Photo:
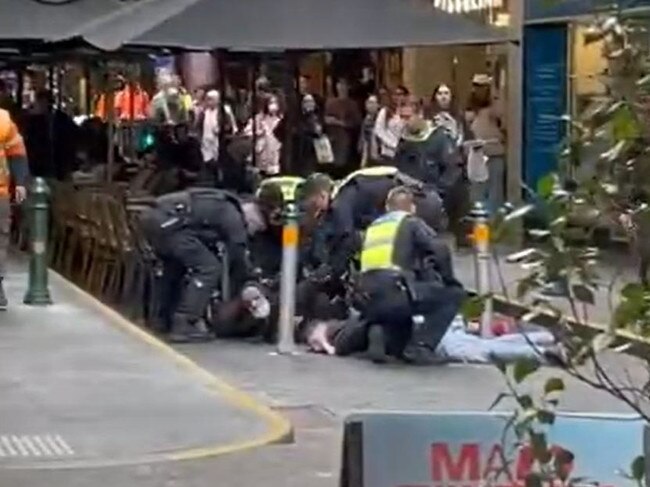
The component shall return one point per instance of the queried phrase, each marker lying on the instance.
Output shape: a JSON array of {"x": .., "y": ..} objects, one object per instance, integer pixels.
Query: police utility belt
[{"x": 194, "y": 208}]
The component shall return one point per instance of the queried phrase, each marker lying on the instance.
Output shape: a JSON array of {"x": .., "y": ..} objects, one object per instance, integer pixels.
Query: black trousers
[{"x": 388, "y": 303}]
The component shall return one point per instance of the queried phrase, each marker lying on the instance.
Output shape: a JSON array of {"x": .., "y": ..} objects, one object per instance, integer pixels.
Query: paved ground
[
  {"x": 78, "y": 389},
  {"x": 314, "y": 392}
]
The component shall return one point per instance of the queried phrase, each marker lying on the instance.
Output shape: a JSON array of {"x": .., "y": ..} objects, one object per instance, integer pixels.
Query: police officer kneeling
[
  {"x": 184, "y": 228},
  {"x": 407, "y": 291}
]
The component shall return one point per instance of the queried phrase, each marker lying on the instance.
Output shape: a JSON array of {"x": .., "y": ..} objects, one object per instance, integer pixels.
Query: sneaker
[
  {"x": 3, "y": 298},
  {"x": 376, "y": 344}
]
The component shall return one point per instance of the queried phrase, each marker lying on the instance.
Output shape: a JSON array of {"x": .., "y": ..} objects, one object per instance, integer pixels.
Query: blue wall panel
[{"x": 545, "y": 98}]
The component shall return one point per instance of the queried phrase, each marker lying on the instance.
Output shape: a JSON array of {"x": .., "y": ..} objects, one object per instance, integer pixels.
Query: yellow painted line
[{"x": 279, "y": 429}]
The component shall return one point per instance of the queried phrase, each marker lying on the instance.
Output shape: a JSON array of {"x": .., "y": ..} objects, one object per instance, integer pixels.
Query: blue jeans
[{"x": 492, "y": 191}]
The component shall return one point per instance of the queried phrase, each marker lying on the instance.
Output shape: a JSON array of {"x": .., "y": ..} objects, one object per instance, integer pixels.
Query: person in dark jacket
[
  {"x": 51, "y": 138},
  {"x": 427, "y": 152},
  {"x": 310, "y": 127},
  {"x": 407, "y": 292},
  {"x": 360, "y": 199}
]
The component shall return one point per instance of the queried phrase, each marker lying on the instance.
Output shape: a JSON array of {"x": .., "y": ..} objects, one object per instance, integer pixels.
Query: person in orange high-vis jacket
[{"x": 13, "y": 165}]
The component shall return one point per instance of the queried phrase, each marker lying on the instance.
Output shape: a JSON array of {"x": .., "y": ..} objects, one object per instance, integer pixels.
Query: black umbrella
[
  {"x": 284, "y": 24},
  {"x": 30, "y": 20}
]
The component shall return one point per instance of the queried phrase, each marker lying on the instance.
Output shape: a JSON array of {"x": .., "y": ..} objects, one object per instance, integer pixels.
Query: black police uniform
[
  {"x": 361, "y": 200},
  {"x": 407, "y": 271},
  {"x": 184, "y": 229}
]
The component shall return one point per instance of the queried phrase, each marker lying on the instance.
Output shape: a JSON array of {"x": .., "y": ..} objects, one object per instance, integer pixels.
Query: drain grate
[{"x": 28, "y": 446}]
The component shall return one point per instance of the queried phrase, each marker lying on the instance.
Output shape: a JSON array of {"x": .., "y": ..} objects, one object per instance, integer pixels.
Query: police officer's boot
[
  {"x": 185, "y": 331},
  {"x": 376, "y": 344},
  {"x": 418, "y": 351}
]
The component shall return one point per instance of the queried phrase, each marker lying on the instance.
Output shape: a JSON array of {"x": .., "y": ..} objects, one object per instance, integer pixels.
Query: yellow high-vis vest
[
  {"x": 366, "y": 171},
  {"x": 288, "y": 184},
  {"x": 379, "y": 242}
]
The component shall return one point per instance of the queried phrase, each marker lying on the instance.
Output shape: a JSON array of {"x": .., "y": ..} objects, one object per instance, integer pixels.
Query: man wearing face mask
[{"x": 185, "y": 229}]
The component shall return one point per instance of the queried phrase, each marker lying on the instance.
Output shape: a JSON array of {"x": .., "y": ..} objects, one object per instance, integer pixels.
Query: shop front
[{"x": 563, "y": 74}]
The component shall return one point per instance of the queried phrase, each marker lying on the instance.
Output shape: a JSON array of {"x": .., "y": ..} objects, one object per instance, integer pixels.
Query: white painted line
[
  {"x": 64, "y": 445},
  {"x": 27, "y": 442},
  {"x": 43, "y": 446},
  {"x": 6, "y": 443},
  {"x": 19, "y": 445},
  {"x": 53, "y": 445}
]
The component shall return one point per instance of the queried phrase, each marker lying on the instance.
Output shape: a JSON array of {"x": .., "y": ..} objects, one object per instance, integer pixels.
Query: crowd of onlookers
[{"x": 206, "y": 135}]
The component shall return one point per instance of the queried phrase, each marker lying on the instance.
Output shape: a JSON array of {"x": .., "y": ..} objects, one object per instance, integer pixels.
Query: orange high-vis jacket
[{"x": 11, "y": 145}]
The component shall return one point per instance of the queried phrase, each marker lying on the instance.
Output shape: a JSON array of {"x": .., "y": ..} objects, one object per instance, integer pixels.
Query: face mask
[{"x": 273, "y": 108}]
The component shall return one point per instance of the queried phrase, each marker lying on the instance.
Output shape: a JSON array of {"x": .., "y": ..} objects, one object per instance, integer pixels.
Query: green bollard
[{"x": 38, "y": 207}]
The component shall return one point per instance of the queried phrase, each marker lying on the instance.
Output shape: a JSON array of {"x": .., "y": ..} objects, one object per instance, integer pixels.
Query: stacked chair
[{"x": 95, "y": 242}]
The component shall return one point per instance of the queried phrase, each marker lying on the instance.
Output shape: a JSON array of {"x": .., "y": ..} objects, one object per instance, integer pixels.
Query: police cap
[
  {"x": 316, "y": 183},
  {"x": 270, "y": 196}
]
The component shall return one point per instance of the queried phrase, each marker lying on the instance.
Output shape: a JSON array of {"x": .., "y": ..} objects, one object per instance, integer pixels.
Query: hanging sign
[{"x": 466, "y": 6}]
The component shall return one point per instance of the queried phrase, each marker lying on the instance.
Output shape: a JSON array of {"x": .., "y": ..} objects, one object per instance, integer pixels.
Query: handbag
[{"x": 323, "y": 148}]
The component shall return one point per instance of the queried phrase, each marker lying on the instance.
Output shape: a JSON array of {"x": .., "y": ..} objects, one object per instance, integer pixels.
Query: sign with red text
[{"x": 466, "y": 449}]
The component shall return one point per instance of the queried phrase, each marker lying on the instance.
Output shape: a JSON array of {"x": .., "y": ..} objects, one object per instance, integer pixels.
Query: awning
[
  {"x": 28, "y": 20},
  {"x": 284, "y": 24}
]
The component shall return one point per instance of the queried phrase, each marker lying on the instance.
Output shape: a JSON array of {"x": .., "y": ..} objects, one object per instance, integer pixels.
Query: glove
[{"x": 322, "y": 274}]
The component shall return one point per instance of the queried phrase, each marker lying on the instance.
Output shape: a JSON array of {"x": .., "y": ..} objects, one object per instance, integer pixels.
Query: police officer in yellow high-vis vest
[
  {"x": 360, "y": 198},
  {"x": 409, "y": 294}
]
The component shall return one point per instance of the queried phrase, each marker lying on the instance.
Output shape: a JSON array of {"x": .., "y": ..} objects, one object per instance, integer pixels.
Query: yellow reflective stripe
[
  {"x": 379, "y": 242},
  {"x": 366, "y": 171},
  {"x": 288, "y": 185}
]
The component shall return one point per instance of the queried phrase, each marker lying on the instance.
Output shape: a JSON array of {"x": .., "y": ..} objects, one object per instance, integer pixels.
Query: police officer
[
  {"x": 289, "y": 185},
  {"x": 407, "y": 292},
  {"x": 360, "y": 198},
  {"x": 184, "y": 228}
]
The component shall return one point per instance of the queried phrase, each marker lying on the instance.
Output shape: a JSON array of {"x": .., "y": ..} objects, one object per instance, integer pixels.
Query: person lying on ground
[{"x": 348, "y": 337}]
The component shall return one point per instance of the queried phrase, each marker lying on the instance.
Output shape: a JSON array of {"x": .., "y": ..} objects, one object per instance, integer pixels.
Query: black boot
[
  {"x": 3, "y": 297},
  {"x": 421, "y": 354},
  {"x": 376, "y": 344},
  {"x": 185, "y": 331}
]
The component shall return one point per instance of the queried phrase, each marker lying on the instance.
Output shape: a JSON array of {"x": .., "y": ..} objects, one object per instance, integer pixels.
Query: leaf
[
  {"x": 473, "y": 307},
  {"x": 539, "y": 233},
  {"x": 633, "y": 292},
  {"x": 545, "y": 417},
  {"x": 583, "y": 294},
  {"x": 523, "y": 368},
  {"x": 546, "y": 185},
  {"x": 637, "y": 468},
  {"x": 522, "y": 255},
  {"x": 525, "y": 401},
  {"x": 554, "y": 384},
  {"x": 519, "y": 213}
]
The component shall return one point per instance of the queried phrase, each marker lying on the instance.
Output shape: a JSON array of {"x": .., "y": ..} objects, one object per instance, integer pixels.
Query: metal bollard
[
  {"x": 483, "y": 262},
  {"x": 38, "y": 207},
  {"x": 286, "y": 343}
]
